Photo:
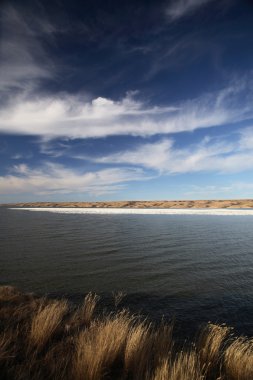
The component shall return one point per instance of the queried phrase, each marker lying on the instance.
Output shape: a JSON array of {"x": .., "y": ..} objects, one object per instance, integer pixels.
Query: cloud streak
[
  {"x": 23, "y": 61},
  {"x": 181, "y": 8},
  {"x": 53, "y": 179},
  {"x": 207, "y": 156},
  {"x": 70, "y": 116}
]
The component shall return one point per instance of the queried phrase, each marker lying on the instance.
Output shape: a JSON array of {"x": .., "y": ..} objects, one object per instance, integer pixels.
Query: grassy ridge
[
  {"x": 42, "y": 338},
  {"x": 230, "y": 203}
]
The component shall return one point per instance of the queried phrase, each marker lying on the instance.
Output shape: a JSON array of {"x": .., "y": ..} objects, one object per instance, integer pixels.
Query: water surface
[{"x": 194, "y": 267}]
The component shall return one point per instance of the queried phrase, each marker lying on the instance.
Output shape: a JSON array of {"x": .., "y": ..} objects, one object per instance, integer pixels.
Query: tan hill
[{"x": 232, "y": 203}]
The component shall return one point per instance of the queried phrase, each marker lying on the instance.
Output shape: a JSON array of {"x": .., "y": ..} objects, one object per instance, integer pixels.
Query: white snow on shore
[{"x": 138, "y": 211}]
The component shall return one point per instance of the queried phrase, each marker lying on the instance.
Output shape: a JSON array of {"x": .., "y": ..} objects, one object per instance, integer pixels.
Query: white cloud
[
  {"x": 152, "y": 156},
  {"x": 24, "y": 63},
  {"x": 180, "y": 8},
  {"x": 19, "y": 156},
  {"x": 70, "y": 116},
  {"x": 57, "y": 179},
  {"x": 246, "y": 138},
  {"x": 23, "y": 60},
  {"x": 220, "y": 156}
]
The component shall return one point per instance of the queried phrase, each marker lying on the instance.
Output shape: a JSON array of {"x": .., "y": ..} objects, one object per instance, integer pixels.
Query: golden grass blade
[
  {"x": 46, "y": 321},
  {"x": 238, "y": 359},
  {"x": 100, "y": 347},
  {"x": 211, "y": 348},
  {"x": 186, "y": 366},
  {"x": 38, "y": 342}
]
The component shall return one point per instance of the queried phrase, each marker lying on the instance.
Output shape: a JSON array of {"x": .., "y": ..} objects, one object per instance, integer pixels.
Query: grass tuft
[
  {"x": 238, "y": 361},
  {"x": 46, "y": 321},
  {"x": 50, "y": 339}
]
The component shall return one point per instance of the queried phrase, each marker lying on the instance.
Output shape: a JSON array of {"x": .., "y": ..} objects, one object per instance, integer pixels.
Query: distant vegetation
[
  {"x": 230, "y": 203},
  {"x": 42, "y": 338}
]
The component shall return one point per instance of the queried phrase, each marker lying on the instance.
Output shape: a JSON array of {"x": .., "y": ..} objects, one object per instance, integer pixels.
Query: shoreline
[
  {"x": 139, "y": 211},
  {"x": 138, "y": 204}
]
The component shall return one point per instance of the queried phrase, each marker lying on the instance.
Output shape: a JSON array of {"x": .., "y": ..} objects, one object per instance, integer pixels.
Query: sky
[{"x": 129, "y": 100}]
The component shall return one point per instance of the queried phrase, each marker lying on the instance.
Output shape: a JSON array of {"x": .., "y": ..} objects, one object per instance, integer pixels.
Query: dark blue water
[{"x": 191, "y": 267}]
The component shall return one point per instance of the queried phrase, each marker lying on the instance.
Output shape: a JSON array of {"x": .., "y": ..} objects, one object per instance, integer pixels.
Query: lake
[{"x": 190, "y": 266}]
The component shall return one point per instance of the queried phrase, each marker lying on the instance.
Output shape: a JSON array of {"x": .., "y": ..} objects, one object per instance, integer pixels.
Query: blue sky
[{"x": 108, "y": 100}]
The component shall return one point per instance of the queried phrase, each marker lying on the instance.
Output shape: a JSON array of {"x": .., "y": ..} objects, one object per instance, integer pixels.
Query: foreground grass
[{"x": 48, "y": 339}]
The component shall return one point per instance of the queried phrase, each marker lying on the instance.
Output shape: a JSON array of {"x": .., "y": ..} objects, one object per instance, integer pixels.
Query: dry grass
[
  {"x": 46, "y": 321},
  {"x": 42, "y": 339},
  {"x": 101, "y": 347},
  {"x": 137, "y": 351},
  {"x": 239, "y": 351},
  {"x": 88, "y": 308},
  {"x": 118, "y": 297},
  {"x": 211, "y": 348},
  {"x": 162, "y": 372},
  {"x": 186, "y": 366}
]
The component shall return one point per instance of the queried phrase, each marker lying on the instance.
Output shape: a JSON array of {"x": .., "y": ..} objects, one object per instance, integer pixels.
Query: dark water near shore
[{"x": 195, "y": 268}]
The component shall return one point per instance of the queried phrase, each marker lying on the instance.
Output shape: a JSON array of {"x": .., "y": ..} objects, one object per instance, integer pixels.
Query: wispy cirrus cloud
[
  {"x": 180, "y": 8},
  {"x": 51, "y": 179},
  {"x": 24, "y": 60},
  {"x": 209, "y": 155},
  {"x": 72, "y": 117},
  {"x": 19, "y": 156}
]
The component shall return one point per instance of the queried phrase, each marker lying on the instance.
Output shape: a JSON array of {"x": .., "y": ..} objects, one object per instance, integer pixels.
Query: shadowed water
[{"x": 194, "y": 267}]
